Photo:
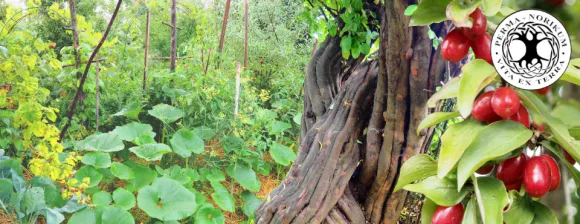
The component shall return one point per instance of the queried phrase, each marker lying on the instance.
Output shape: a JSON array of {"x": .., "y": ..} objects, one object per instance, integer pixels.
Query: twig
[
  {"x": 86, "y": 72},
  {"x": 169, "y": 58},
  {"x": 169, "y": 25},
  {"x": 96, "y": 60}
]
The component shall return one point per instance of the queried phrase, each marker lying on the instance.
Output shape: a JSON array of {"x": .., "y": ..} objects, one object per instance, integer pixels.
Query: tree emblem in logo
[{"x": 530, "y": 49}]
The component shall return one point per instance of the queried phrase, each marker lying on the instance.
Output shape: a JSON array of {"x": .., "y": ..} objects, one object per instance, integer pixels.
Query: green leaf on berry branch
[
  {"x": 520, "y": 211},
  {"x": 449, "y": 90},
  {"x": 427, "y": 210},
  {"x": 491, "y": 197},
  {"x": 459, "y": 10},
  {"x": 435, "y": 118},
  {"x": 493, "y": 141},
  {"x": 543, "y": 214},
  {"x": 471, "y": 215},
  {"x": 572, "y": 73},
  {"x": 476, "y": 75},
  {"x": 429, "y": 11},
  {"x": 441, "y": 191},
  {"x": 454, "y": 142},
  {"x": 491, "y": 7},
  {"x": 416, "y": 168}
]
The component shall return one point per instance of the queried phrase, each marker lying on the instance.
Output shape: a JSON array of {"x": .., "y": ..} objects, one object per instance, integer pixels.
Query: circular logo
[{"x": 530, "y": 49}]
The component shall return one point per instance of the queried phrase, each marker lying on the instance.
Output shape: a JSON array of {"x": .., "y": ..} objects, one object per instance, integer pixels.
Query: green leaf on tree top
[
  {"x": 410, "y": 10},
  {"x": 572, "y": 73},
  {"x": 102, "y": 198},
  {"x": 568, "y": 114},
  {"x": 434, "y": 119},
  {"x": 209, "y": 215},
  {"x": 416, "y": 168},
  {"x": 106, "y": 142},
  {"x": 492, "y": 141},
  {"x": 555, "y": 126},
  {"x": 428, "y": 12},
  {"x": 543, "y": 214},
  {"x": 117, "y": 215},
  {"x": 97, "y": 159},
  {"x": 346, "y": 43},
  {"x": 121, "y": 171},
  {"x": 167, "y": 200},
  {"x": 454, "y": 141},
  {"x": 124, "y": 198},
  {"x": 427, "y": 211},
  {"x": 185, "y": 142},
  {"x": 282, "y": 154},
  {"x": 151, "y": 152},
  {"x": 471, "y": 214},
  {"x": 476, "y": 75},
  {"x": 131, "y": 131},
  {"x": 130, "y": 110},
  {"x": 90, "y": 172},
  {"x": 166, "y": 113},
  {"x": 441, "y": 191},
  {"x": 251, "y": 203},
  {"x": 245, "y": 176},
  {"x": 490, "y": 7},
  {"x": 491, "y": 197},
  {"x": 459, "y": 11},
  {"x": 521, "y": 210},
  {"x": 223, "y": 198}
]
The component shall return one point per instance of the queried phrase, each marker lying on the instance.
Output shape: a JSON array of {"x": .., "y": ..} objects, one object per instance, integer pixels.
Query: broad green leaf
[
  {"x": 345, "y": 43},
  {"x": 151, "y": 152},
  {"x": 245, "y": 176},
  {"x": 214, "y": 175},
  {"x": 459, "y": 11},
  {"x": 490, "y": 142},
  {"x": 84, "y": 216},
  {"x": 282, "y": 154},
  {"x": 124, "y": 198},
  {"x": 558, "y": 129},
  {"x": 427, "y": 211},
  {"x": 251, "y": 203},
  {"x": 52, "y": 216},
  {"x": 121, "y": 171},
  {"x": 490, "y": 7},
  {"x": 521, "y": 210},
  {"x": 298, "y": 118},
  {"x": 144, "y": 176},
  {"x": 32, "y": 201},
  {"x": 476, "y": 75},
  {"x": 410, "y": 10},
  {"x": 454, "y": 141},
  {"x": 223, "y": 198},
  {"x": 97, "y": 159},
  {"x": 102, "y": 198},
  {"x": 428, "y": 12},
  {"x": 131, "y": 131},
  {"x": 117, "y": 215},
  {"x": 575, "y": 132},
  {"x": 441, "y": 191},
  {"x": 209, "y": 215},
  {"x": 166, "y": 113},
  {"x": 543, "y": 214},
  {"x": 204, "y": 132},
  {"x": 572, "y": 73},
  {"x": 106, "y": 142},
  {"x": 90, "y": 172},
  {"x": 6, "y": 190},
  {"x": 449, "y": 90},
  {"x": 4, "y": 51},
  {"x": 278, "y": 127},
  {"x": 416, "y": 168},
  {"x": 167, "y": 200},
  {"x": 471, "y": 215},
  {"x": 232, "y": 143},
  {"x": 568, "y": 114},
  {"x": 178, "y": 174},
  {"x": 185, "y": 142},
  {"x": 131, "y": 110},
  {"x": 434, "y": 119},
  {"x": 491, "y": 197}
]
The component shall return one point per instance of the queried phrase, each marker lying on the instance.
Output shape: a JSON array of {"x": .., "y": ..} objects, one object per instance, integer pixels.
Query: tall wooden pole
[
  {"x": 75, "y": 32},
  {"x": 238, "y": 83},
  {"x": 146, "y": 51},
  {"x": 246, "y": 34},
  {"x": 173, "y": 36},
  {"x": 224, "y": 26},
  {"x": 97, "y": 74}
]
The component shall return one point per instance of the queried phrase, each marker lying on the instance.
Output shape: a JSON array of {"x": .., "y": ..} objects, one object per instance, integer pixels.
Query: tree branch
[{"x": 84, "y": 76}]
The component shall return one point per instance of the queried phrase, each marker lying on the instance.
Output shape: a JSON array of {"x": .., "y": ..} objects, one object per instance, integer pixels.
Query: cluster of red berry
[{"x": 456, "y": 44}]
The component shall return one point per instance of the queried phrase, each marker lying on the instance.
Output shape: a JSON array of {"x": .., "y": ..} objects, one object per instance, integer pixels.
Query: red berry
[
  {"x": 484, "y": 170},
  {"x": 537, "y": 178},
  {"x": 510, "y": 171},
  {"x": 569, "y": 158},
  {"x": 482, "y": 47},
  {"x": 521, "y": 116},
  {"x": 478, "y": 27},
  {"x": 505, "y": 102},
  {"x": 448, "y": 215},
  {"x": 455, "y": 46},
  {"x": 482, "y": 110},
  {"x": 543, "y": 91},
  {"x": 515, "y": 186},
  {"x": 554, "y": 171}
]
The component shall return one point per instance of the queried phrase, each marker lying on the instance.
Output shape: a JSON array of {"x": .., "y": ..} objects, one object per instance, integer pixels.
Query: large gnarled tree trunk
[{"x": 359, "y": 125}]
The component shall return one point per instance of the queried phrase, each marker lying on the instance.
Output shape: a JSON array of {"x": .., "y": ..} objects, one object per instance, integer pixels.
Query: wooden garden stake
[{"x": 238, "y": 83}]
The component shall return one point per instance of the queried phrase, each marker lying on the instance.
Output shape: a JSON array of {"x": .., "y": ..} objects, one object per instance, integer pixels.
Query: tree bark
[
  {"x": 146, "y": 59},
  {"x": 173, "y": 50},
  {"x": 245, "y": 34},
  {"x": 359, "y": 125}
]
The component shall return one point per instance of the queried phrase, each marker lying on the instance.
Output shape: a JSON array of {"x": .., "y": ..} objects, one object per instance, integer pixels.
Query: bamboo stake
[
  {"x": 173, "y": 36},
  {"x": 238, "y": 83}
]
